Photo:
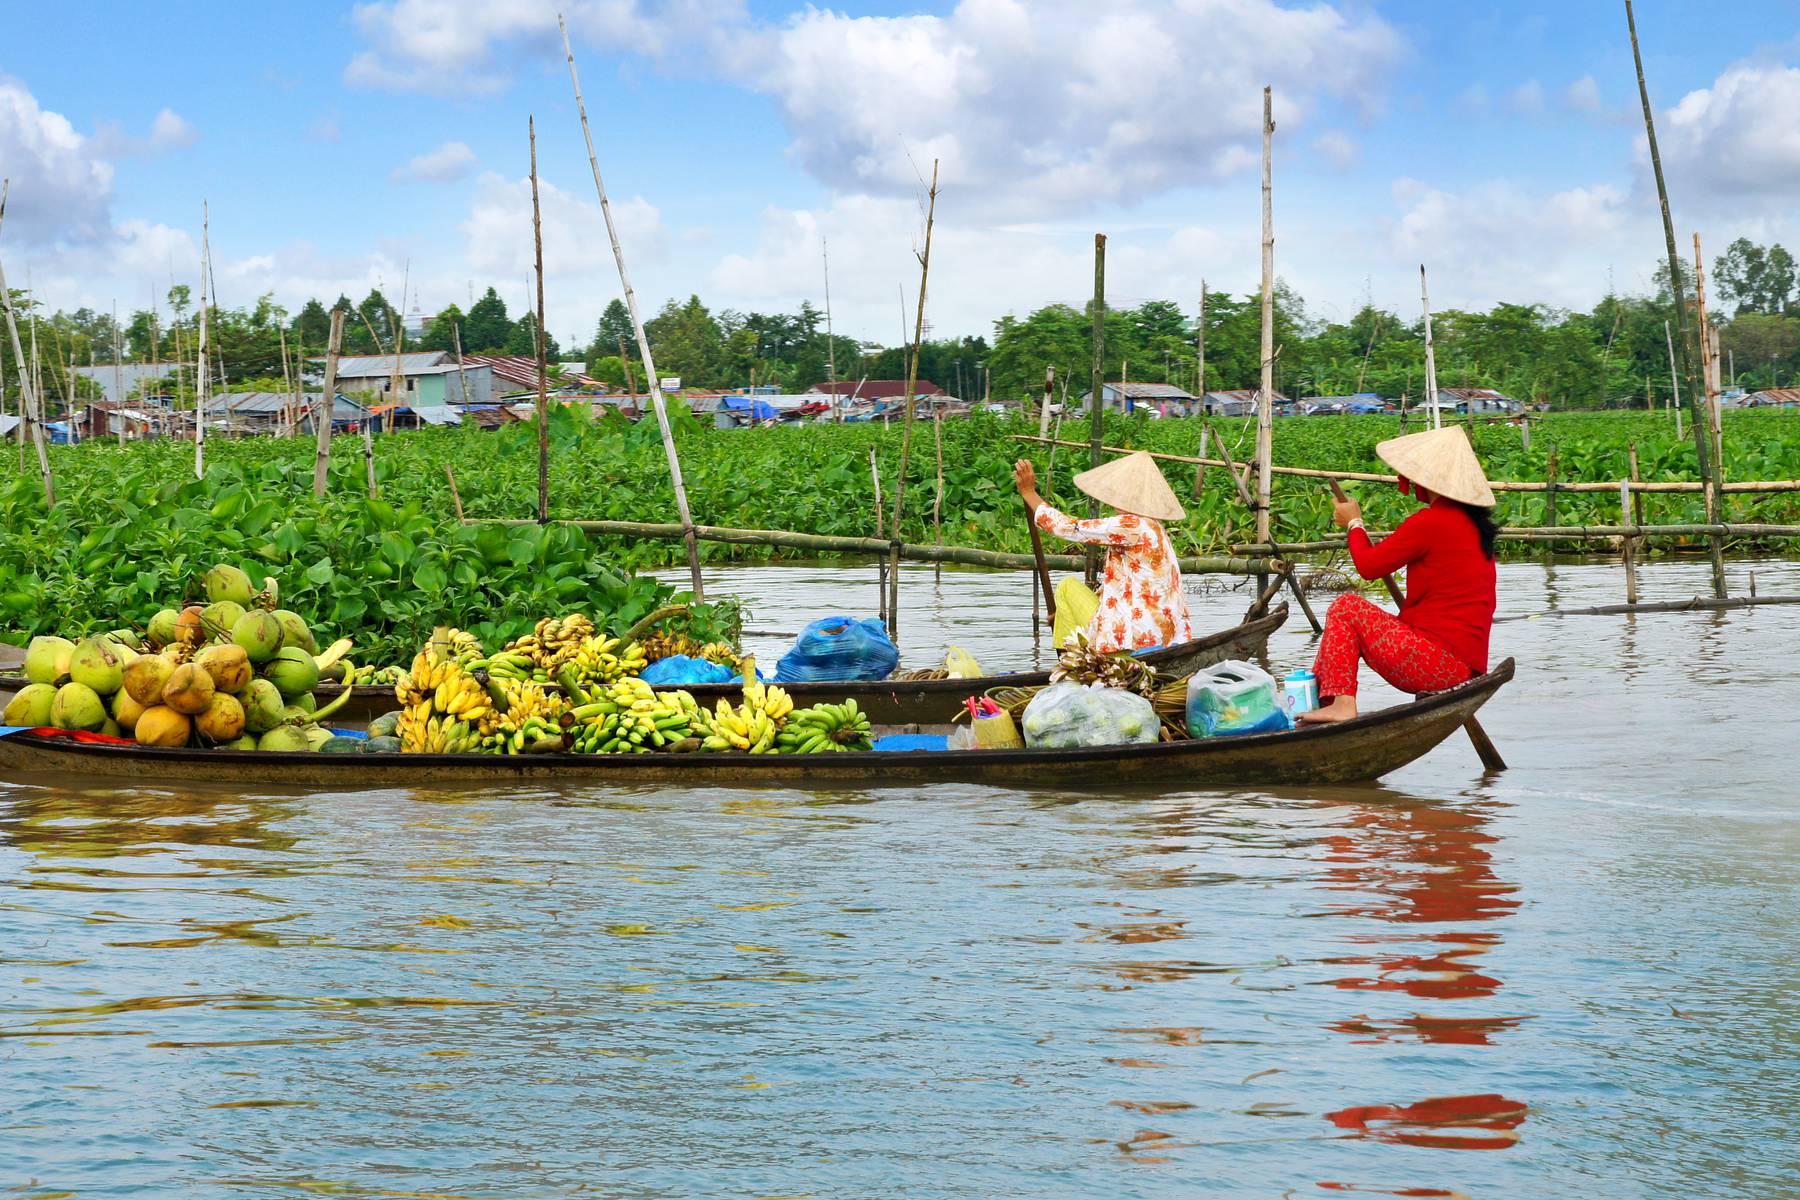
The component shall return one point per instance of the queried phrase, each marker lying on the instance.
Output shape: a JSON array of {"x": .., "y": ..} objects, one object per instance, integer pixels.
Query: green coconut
[
  {"x": 47, "y": 658},
  {"x": 127, "y": 638},
  {"x": 126, "y": 710},
  {"x": 164, "y": 628},
  {"x": 260, "y": 634},
  {"x": 219, "y": 618},
  {"x": 262, "y": 706},
  {"x": 295, "y": 631},
  {"x": 111, "y": 728},
  {"x": 285, "y": 738},
  {"x": 247, "y": 742},
  {"x": 293, "y": 671},
  {"x": 97, "y": 663},
  {"x": 225, "y": 582},
  {"x": 317, "y": 736},
  {"x": 31, "y": 706},
  {"x": 77, "y": 706}
]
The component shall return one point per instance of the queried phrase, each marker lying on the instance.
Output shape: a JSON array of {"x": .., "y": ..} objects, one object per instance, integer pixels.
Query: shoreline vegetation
[{"x": 131, "y": 521}]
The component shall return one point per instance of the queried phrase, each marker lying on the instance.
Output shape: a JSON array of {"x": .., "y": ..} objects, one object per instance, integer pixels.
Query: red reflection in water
[
  {"x": 1486, "y": 1122},
  {"x": 1457, "y": 1031},
  {"x": 1422, "y": 864},
  {"x": 1435, "y": 1193}
]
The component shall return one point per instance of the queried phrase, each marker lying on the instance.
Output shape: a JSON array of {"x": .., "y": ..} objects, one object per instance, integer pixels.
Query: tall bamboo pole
[
  {"x": 1265, "y": 400},
  {"x": 637, "y": 325},
  {"x": 1431, "y": 387},
  {"x": 30, "y": 402},
  {"x": 118, "y": 374},
  {"x": 1049, "y": 393},
  {"x": 1674, "y": 381},
  {"x": 543, "y": 374},
  {"x": 1709, "y": 364},
  {"x": 321, "y": 413},
  {"x": 1096, "y": 389},
  {"x": 1695, "y": 398},
  {"x": 912, "y": 388},
  {"x": 202, "y": 383},
  {"x": 287, "y": 383},
  {"x": 462, "y": 376}
]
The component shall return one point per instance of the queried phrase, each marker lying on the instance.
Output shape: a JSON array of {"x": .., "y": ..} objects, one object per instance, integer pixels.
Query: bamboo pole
[
  {"x": 912, "y": 387},
  {"x": 1553, "y": 533},
  {"x": 1674, "y": 381},
  {"x": 1200, "y": 388},
  {"x": 119, "y": 374},
  {"x": 880, "y": 547},
  {"x": 455, "y": 496},
  {"x": 1265, "y": 397},
  {"x": 201, "y": 381},
  {"x": 1499, "y": 485},
  {"x": 1628, "y": 546},
  {"x": 322, "y": 411},
  {"x": 287, "y": 383},
  {"x": 1697, "y": 604},
  {"x": 1550, "y": 466},
  {"x": 30, "y": 399},
  {"x": 1096, "y": 393},
  {"x": 543, "y": 367},
  {"x": 630, "y": 375},
  {"x": 1431, "y": 386},
  {"x": 637, "y": 325},
  {"x": 1709, "y": 374},
  {"x": 1686, "y": 356},
  {"x": 1049, "y": 391},
  {"x": 937, "y": 502},
  {"x": 881, "y": 563}
]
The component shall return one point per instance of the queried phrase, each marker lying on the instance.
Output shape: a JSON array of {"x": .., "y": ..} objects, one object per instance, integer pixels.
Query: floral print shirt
[{"x": 1140, "y": 591}]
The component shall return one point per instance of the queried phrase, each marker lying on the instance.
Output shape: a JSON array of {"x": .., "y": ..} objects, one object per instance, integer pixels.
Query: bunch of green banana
[
  {"x": 629, "y": 717},
  {"x": 458, "y": 645},
  {"x": 511, "y": 664},
  {"x": 381, "y": 676},
  {"x": 824, "y": 727}
]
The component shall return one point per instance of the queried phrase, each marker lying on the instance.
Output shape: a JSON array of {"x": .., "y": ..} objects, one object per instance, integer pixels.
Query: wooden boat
[
  {"x": 887, "y": 701},
  {"x": 1364, "y": 749}
]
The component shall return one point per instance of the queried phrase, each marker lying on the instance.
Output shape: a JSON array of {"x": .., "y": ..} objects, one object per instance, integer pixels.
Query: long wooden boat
[
  {"x": 1364, "y": 749},
  {"x": 887, "y": 701}
]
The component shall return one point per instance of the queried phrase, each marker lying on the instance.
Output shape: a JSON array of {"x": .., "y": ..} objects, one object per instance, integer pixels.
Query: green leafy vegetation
[{"x": 133, "y": 528}]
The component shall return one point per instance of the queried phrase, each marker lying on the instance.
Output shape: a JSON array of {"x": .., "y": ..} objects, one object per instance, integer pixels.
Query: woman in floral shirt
[{"x": 1141, "y": 604}]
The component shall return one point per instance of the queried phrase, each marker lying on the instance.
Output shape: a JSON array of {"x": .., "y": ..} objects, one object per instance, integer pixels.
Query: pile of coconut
[{"x": 236, "y": 673}]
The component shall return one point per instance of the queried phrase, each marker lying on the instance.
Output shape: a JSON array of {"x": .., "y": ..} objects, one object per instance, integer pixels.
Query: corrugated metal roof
[
  {"x": 365, "y": 366},
  {"x": 1774, "y": 396},
  {"x": 521, "y": 370},
  {"x": 438, "y": 415},
  {"x": 875, "y": 389}
]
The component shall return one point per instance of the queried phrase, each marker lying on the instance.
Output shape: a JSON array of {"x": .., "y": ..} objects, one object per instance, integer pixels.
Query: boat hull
[{"x": 1365, "y": 749}]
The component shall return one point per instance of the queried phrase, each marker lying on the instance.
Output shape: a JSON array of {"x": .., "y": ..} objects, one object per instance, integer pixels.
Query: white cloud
[
  {"x": 1582, "y": 96},
  {"x": 498, "y": 232},
  {"x": 1527, "y": 99},
  {"x": 446, "y": 164},
  {"x": 1337, "y": 148},
  {"x": 461, "y": 47},
  {"x": 1499, "y": 240},
  {"x": 61, "y": 182},
  {"x": 1063, "y": 105},
  {"x": 1737, "y": 140},
  {"x": 168, "y": 131}
]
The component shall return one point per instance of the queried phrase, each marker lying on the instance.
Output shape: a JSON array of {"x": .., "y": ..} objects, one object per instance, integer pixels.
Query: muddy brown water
[{"x": 1576, "y": 978}]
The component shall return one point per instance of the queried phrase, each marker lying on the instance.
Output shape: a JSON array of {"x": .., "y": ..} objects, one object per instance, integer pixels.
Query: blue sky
[{"x": 1497, "y": 143}]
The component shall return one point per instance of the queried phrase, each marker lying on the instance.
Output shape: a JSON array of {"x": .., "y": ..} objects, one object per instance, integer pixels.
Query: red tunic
[{"x": 1450, "y": 583}]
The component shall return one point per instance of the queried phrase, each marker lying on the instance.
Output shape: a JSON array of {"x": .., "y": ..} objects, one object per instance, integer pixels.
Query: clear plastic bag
[
  {"x": 1071, "y": 714},
  {"x": 1233, "y": 697}
]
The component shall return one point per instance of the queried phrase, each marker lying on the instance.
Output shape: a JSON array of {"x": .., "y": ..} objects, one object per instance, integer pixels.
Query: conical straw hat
[
  {"x": 1133, "y": 484},
  {"x": 1442, "y": 461}
]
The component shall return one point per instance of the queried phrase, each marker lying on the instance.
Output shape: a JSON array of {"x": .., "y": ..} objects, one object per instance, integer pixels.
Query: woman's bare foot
[{"x": 1340, "y": 708}]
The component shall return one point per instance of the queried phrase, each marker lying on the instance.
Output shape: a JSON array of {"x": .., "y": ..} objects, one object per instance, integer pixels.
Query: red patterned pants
[{"x": 1357, "y": 630}]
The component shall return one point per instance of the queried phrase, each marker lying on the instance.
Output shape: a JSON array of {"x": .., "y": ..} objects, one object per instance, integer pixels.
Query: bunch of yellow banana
[
  {"x": 723, "y": 653},
  {"x": 628, "y": 716},
  {"x": 554, "y": 641},
  {"x": 663, "y": 644},
  {"x": 421, "y": 680},
  {"x": 824, "y": 727},
  {"x": 458, "y": 645},
  {"x": 773, "y": 700},
  {"x": 438, "y": 734}
]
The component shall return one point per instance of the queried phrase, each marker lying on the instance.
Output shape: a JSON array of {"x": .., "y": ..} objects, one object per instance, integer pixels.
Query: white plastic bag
[
  {"x": 1233, "y": 697},
  {"x": 1071, "y": 714}
]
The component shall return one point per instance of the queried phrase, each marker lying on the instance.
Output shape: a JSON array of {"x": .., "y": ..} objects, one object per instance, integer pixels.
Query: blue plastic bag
[
  {"x": 679, "y": 670},
  {"x": 839, "y": 648}
]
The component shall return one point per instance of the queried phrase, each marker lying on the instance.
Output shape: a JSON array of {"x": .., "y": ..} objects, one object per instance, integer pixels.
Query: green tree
[
  {"x": 313, "y": 326},
  {"x": 687, "y": 341},
  {"x": 441, "y": 331},
  {"x": 488, "y": 329}
]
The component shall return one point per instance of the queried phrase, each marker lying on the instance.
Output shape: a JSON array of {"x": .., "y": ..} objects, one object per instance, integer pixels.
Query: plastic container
[
  {"x": 1299, "y": 693},
  {"x": 998, "y": 732},
  {"x": 1233, "y": 697}
]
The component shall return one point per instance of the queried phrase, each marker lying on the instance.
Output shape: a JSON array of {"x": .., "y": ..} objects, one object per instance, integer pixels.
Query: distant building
[
  {"x": 428, "y": 377},
  {"x": 517, "y": 373},
  {"x": 875, "y": 389},
  {"x": 1475, "y": 400},
  {"x": 1163, "y": 398},
  {"x": 117, "y": 384},
  {"x": 1773, "y": 398},
  {"x": 1241, "y": 402},
  {"x": 269, "y": 412}
]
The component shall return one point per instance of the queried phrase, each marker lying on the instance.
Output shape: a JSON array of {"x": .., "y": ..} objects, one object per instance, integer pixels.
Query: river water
[{"x": 1572, "y": 979}]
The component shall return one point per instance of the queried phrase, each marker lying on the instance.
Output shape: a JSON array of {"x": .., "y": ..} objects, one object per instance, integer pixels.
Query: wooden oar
[
  {"x": 1484, "y": 745},
  {"x": 1043, "y": 567}
]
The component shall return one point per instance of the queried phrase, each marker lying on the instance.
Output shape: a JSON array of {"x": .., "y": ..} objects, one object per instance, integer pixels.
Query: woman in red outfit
[{"x": 1440, "y": 637}]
